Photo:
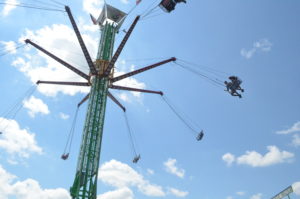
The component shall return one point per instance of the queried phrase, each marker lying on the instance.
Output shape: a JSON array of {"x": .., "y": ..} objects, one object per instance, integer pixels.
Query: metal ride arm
[
  {"x": 116, "y": 101},
  {"x": 120, "y": 48},
  {"x": 72, "y": 68},
  {"x": 83, "y": 100},
  {"x": 142, "y": 70},
  {"x": 64, "y": 83},
  {"x": 135, "y": 89},
  {"x": 81, "y": 42}
]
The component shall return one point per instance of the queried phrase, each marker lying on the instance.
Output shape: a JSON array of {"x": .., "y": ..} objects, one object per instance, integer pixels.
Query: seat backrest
[{"x": 167, "y": 3}]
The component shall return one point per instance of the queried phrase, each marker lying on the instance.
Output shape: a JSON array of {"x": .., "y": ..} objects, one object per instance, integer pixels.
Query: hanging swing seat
[
  {"x": 136, "y": 159},
  {"x": 65, "y": 156},
  {"x": 169, "y": 5},
  {"x": 200, "y": 136}
]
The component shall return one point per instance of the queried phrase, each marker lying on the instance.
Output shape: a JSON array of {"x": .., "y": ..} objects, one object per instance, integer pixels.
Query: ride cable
[
  {"x": 13, "y": 110},
  {"x": 213, "y": 76},
  {"x": 151, "y": 12},
  {"x": 130, "y": 11},
  {"x": 165, "y": 5},
  {"x": 152, "y": 16},
  {"x": 145, "y": 59},
  {"x": 213, "y": 81},
  {"x": 130, "y": 135},
  {"x": 149, "y": 9},
  {"x": 187, "y": 121},
  {"x": 53, "y": 4},
  {"x": 230, "y": 87},
  {"x": 134, "y": 7},
  {"x": 57, "y": 2},
  {"x": 205, "y": 68},
  {"x": 69, "y": 142},
  {"x": 6, "y": 51},
  {"x": 31, "y": 6}
]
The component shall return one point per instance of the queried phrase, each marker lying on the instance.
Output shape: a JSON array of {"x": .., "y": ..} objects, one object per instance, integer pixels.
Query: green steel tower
[
  {"x": 85, "y": 183},
  {"x": 100, "y": 79}
]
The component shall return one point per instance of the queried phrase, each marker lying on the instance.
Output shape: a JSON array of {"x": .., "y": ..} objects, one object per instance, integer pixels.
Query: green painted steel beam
[{"x": 85, "y": 182}]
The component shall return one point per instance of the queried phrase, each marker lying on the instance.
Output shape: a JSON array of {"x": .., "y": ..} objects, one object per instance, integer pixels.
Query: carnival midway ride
[{"x": 101, "y": 79}]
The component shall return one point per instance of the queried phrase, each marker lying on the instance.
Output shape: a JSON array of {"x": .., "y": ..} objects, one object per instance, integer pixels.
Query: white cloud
[
  {"x": 296, "y": 140},
  {"x": 150, "y": 171},
  {"x": 274, "y": 156},
  {"x": 27, "y": 189},
  {"x": 6, "y": 180},
  {"x": 64, "y": 116},
  {"x": 263, "y": 45},
  {"x": 17, "y": 141},
  {"x": 87, "y": 26},
  {"x": 248, "y": 53},
  {"x": 93, "y": 7},
  {"x": 120, "y": 175},
  {"x": 60, "y": 40},
  {"x": 151, "y": 189},
  {"x": 296, "y": 188},
  {"x": 173, "y": 169},
  {"x": 292, "y": 129},
  {"x": 128, "y": 96},
  {"x": 10, "y": 5},
  {"x": 178, "y": 193},
  {"x": 240, "y": 193},
  {"x": 228, "y": 158},
  {"x": 129, "y": 82},
  {"x": 255, "y": 159},
  {"x": 35, "y": 106},
  {"x": 125, "y": 1},
  {"x": 122, "y": 193},
  {"x": 256, "y": 196},
  {"x": 9, "y": 46},
  {"x": 132, "y": 67},
  {"x": 124, "y": 97}
]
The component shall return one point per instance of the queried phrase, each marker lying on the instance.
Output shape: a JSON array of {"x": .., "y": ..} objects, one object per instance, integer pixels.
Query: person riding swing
[{"x": 233, "y": 86}]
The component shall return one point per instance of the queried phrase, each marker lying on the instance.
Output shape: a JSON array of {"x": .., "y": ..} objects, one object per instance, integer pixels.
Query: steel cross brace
[
  {"x": 120, "y": 48},
  {"x": 83, "y": 100},
  {"x": 116, "y": 101},
  {"x": 81, "y": 42},
  {"x": 64, "y": 83},
  {"x": 135, "y": 89},
  {"x": 115, "y": 79}
]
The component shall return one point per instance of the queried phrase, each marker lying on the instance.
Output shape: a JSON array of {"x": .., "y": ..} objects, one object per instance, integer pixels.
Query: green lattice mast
[
  {"x": 100, "y": 79},
  {"x": 85, "y": 183}
]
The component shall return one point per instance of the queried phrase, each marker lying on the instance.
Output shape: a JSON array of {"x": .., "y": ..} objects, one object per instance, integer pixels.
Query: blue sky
[{"x": 251, "y": 145}]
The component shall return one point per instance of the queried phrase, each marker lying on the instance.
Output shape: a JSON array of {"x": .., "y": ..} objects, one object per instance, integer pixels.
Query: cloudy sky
[{"x": 251, "y": 145}]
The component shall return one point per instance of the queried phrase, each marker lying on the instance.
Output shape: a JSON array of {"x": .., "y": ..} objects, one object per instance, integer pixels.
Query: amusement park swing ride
[{"x": 101, "y": 79}]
